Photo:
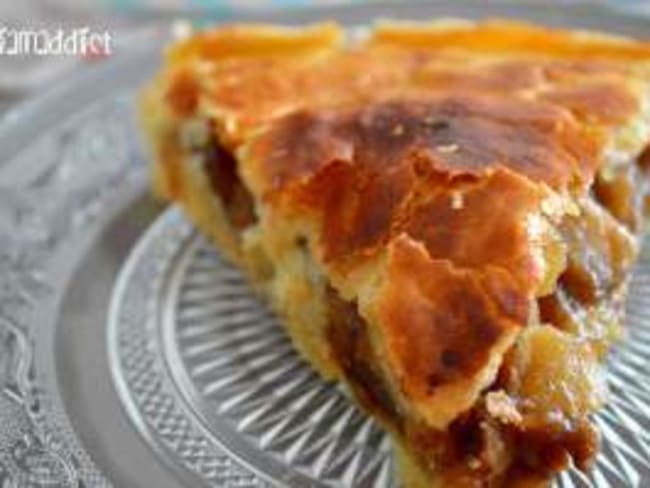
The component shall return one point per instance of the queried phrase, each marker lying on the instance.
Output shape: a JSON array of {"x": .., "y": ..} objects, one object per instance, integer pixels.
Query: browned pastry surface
[{"x": 445, "y": 215}]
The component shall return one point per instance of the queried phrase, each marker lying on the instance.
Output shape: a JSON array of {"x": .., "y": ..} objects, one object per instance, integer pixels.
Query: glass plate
[{"x": 132, "y": 355}]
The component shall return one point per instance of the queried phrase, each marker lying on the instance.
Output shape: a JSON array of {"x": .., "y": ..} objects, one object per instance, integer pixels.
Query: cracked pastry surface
[{"x": 445, "y": 215}]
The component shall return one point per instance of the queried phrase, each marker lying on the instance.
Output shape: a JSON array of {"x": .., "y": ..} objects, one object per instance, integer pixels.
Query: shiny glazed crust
[{"x": 415, "y": 205}]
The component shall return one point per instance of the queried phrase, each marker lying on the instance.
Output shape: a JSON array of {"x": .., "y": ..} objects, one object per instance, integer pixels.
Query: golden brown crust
[
  {"x": 508, "y": 36},
  {"x": 445, "y": 180},
  {"x": 249, "y": 90},
  {"x": 420, "y": 200},
  {"x": 440, "y": 326},
  {"x": 236, "y": 41},
  {"x": 457, "y": 134}
]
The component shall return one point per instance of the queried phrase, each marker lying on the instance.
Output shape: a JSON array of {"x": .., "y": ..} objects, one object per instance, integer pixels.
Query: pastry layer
[{"x": 444, "y": 214}]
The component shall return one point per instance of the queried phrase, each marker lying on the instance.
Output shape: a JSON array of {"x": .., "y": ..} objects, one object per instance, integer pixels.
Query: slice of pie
[{"x": 444, "y": 214}]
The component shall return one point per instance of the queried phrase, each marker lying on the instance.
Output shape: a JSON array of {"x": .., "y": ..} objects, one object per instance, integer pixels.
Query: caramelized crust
[
  {"x": 504, "y": 36},
  {"x": 456, "y": 135},
  {"x": 441, "y": 328},
  {"x": 461, "y": 199},
  {"x": 255, "y": 41},
  {"x": 248, "y": 90},
  {"x": 444, "y": 214}
]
